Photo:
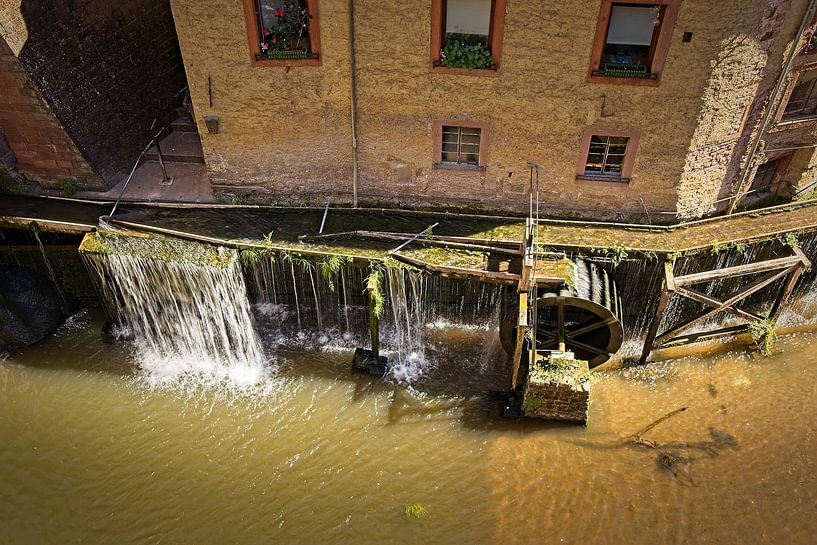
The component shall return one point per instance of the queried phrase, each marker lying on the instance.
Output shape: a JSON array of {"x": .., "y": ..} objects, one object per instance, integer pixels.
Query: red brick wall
[{"x": 44, "y": 151}]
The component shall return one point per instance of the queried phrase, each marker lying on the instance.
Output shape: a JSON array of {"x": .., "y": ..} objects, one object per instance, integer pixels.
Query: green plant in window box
[
  {"x": 288, "y": 36},
  {"x": 458, "y": 54},
  {"x": 625, "y": 70}
]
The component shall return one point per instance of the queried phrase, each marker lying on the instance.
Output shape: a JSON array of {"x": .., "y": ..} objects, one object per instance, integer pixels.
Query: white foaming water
[
  {"x": 406, "y": 296},
  {"x": 191, "y": 321}
]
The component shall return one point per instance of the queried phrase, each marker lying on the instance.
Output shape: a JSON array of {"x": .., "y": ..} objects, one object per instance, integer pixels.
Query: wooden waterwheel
[{"x": 583, "y": 318}]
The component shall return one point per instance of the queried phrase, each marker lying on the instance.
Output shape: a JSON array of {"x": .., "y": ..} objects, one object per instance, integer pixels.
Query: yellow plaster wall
[{"x": 288, "y": 131}]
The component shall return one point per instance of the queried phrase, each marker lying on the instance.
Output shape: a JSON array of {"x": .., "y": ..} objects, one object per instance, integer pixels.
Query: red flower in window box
[{"x": 279, "y": 13}]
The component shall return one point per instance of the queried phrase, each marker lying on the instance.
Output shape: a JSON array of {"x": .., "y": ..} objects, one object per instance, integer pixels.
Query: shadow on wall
[{"x": 106, "y": 69}]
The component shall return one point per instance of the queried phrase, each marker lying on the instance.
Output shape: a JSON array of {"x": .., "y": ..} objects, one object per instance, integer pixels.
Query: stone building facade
[
  {"x": 82, "y": 82},
  {"x": 285, "y": 126}
]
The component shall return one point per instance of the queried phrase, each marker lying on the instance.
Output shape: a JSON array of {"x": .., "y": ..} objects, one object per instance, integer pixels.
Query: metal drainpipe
[
  {"x": 773, "y": 98},
  {"x": 353, "y": 98}
]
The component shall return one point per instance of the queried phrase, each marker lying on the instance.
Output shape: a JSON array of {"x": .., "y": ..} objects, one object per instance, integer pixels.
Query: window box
[
  {"x": 632, "y": 41},
  {"x": 286, "y": 55},
  {"x": 625, "y": 70},
  {"x": 607, "y": 155},
  {"x": 466, "y": 35},
  {"x": 283, "y": 32}
]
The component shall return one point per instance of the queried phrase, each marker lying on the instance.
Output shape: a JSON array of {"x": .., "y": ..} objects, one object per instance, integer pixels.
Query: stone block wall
[
  {"x": 106, "y": 70},
  {"x": 553, "y": 393},
  {"x": 43, "y": 150}
]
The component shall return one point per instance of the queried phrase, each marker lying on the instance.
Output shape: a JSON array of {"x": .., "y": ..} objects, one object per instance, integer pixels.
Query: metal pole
[
  {"x": 165, "y": 179},
  {"x": 353, "y": 99},
  {"x": 124, "y": 187},
  {"x": 325, "y": 212},
  {"x": 415, "y": 237}
]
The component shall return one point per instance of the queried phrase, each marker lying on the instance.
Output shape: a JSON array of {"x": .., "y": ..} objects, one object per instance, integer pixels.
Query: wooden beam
[
  {"x": 788, "y": 287},
  {"x": 803, "y": 258},
  {"x": 521, "y": 323},
  {"x": 444, "y": 242},
  {"x": 591, "y": 327},
  {"x": 659, "y": 313},
  {"x": 488, "y": 276},
  {"x": 709, "y": 301},
  {"x": 669, "y": 276},
  {"x": 374, "y": 329},
  {"x": 706, "y": 335},
  {"x": 526, "y": 277},
  {"x": 560, "y": 324},
  {"x": 739, "y": 270}
]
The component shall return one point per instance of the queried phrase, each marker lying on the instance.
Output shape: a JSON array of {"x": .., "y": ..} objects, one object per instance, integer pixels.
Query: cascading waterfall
[
  {"x": 295, "y": 301},
  {"x": 803, "y": 307},
  {"x": 300, "y": 303},
  {"x": 406, "y": 298},
  {"x": 187, "y": 309}
]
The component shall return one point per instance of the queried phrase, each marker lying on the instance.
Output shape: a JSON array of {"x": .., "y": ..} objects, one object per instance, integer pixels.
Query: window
[
  {"x": 607, "y": 155},
  {"x": 811, "y": 45},
  {"x": 467, "y": 33},
  {"x": 460, "y": 144},
  {"x": 632, "y": 40},
  {"x": 769, "y": 173},
  {"x": 283, "y": 32},
  {"x": 803, "y": 98}
]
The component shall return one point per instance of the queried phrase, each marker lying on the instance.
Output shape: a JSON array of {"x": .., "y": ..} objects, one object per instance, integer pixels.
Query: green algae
[{"x": 156, "y": 247}]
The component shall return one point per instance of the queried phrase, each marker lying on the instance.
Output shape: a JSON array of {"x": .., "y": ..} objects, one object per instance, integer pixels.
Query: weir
[
  {"x": 184, "y": 303},
  {"x": 553, "y": 291}
]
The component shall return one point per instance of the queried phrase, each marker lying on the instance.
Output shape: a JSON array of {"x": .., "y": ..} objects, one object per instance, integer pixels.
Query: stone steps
[
  {"x": 178, "y": 147},
  {"x": 184, "y": 124}
]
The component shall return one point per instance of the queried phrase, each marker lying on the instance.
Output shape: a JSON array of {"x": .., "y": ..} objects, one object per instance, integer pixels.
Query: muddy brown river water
[{"x": 91, "y": 452}]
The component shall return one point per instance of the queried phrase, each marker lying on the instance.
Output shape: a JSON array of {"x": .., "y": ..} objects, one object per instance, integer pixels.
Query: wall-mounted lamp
[{"x": 212, "y": 123}]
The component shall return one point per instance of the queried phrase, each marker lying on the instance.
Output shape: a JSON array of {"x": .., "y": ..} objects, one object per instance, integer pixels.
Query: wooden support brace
[
  {"x": 739, "y": 270},
  {"x": 706, "y": 335},
  {"x": 374, "y": 329},
  {"x": 788, "y": 287},
  {"x": 522, "y": 322},
  {"x": 727, "y": 306},
  {"x": 659, "y": 313}
]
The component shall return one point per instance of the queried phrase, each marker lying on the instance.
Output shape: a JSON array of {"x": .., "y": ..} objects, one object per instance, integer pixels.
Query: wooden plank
[
  {"x": 521, "y": 324},
  {"x": 488, "y": 276},
  {"x": 739, "y": 270},
  {"x": 669, "y": 276},
  {"x": 431, "y": 241},
  {"x": 50, "y": 225},
  {"x": 374, "y": 329}
]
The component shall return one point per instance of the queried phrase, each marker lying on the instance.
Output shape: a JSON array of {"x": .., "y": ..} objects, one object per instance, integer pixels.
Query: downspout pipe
[
  {"x": 353, "y": 98},
  {"x": 773, "y": 100}
]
